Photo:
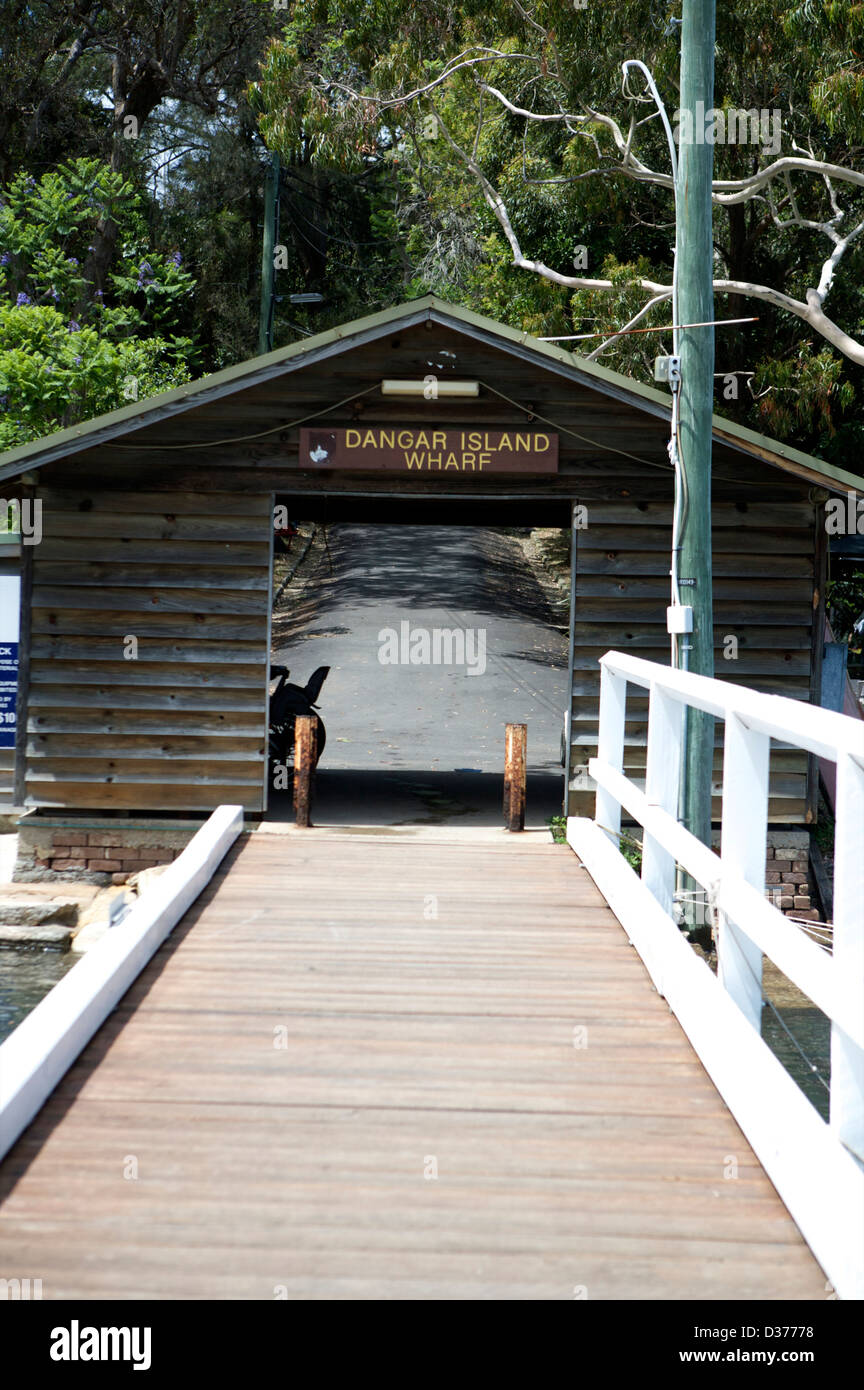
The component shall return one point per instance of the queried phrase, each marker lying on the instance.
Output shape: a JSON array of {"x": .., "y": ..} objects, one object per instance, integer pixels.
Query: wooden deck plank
[{"x": 296, "y": 1158}]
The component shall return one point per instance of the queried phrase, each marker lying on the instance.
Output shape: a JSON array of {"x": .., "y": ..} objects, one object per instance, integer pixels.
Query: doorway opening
[{"x": 439, "y": 625}]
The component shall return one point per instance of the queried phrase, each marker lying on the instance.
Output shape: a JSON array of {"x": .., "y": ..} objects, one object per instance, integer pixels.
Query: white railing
[{"x": 815, "y": 1167}]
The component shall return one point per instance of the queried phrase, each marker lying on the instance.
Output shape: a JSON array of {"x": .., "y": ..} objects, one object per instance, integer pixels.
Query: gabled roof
[{"x": 373, "y": 326}]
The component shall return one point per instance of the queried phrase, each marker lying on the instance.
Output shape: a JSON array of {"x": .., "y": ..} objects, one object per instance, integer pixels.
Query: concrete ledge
[{"x": 45, "y": 1044}]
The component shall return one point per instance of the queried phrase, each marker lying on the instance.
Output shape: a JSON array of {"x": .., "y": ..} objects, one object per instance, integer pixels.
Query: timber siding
[
  {"x": 182, "y": 725},
  {"x": 764, "y": 586},
  {"x": 157, "y": 525}
]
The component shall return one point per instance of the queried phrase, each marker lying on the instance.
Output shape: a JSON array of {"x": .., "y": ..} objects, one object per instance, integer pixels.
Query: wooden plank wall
[
  {"x": 611, "y": 454},
  {"x": 763, "y": 597},
  {"x": 7, "y": 777},
  {"x": 183, "y": 726}
]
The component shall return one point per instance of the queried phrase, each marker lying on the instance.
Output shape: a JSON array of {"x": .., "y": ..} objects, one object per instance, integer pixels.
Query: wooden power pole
[
  {"x": 695, "y": 260},
  {"x": 268, "y": 267}
]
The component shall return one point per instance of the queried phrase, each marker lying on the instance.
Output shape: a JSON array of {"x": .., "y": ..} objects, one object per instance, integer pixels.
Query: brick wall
[
  {"x": 787, "y": 882},
  {"x": 100, "y": 851},
  {"x": 96, "y": 853}
]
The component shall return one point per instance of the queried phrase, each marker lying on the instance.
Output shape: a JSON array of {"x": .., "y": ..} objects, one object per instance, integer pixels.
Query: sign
[
  {"x": 10, "y": 598},
  {"x": 411, "y": 450}
]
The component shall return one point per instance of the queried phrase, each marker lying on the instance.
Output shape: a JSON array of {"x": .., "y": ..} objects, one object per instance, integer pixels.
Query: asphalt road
[{"x": 419, "y": 738}]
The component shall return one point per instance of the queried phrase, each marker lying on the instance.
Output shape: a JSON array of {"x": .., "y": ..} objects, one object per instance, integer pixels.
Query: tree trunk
[{"x": 133, "y": 103}]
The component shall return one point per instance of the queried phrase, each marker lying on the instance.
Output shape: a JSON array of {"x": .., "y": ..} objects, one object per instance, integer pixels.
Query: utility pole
[
  {"x": 268, "y": 269},
  {"x": 695, "y": 261}
]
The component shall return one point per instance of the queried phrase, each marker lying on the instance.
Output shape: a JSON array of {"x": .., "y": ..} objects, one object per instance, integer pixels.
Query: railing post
[
  {"x": 662, "y": 777},
  {"x": 305, "y": 758},
  {"x": 847, "y": 1058},
  {"x": 744, "y": 835},
  {"x": 515, "y": 772},
  {"x": 610, "y": 746}
]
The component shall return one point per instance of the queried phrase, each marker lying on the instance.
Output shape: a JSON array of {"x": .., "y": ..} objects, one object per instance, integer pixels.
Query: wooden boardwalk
[{"x": 337, "y": 1020}]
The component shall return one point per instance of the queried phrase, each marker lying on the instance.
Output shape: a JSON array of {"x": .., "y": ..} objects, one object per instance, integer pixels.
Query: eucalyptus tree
[{"x": 517, "y": 148}]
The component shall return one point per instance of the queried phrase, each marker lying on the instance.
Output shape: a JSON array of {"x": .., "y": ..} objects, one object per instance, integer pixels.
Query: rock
[
  {"x": 89, "y": 935},
  {"x": 56, "y": 936},
  {"x": 140, "y": 882},
  {"x": 99, "y": 909},
  {"x": 94, "y": 921},
  {"x": 27, "y": 912},
  {"x": 44, "y": 891}
]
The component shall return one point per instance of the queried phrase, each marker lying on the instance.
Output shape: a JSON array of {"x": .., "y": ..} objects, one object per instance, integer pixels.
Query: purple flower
[
  {"x": 77, "y": 361},
  {"x": 98, "y": 294},
  {"x": 74, "y": 327},
  {"x": 71, "y": 260},
  {"x": 176, "y": 258},
  {"x": 5, "y": 258},
  {"x": 54, "y": 293},
  {"x": 23, "y": 299}
]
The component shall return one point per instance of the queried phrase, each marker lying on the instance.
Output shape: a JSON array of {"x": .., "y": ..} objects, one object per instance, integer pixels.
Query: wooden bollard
[
  {"x": 515, "y": 745},
  {"x": 305, "y": 758}
]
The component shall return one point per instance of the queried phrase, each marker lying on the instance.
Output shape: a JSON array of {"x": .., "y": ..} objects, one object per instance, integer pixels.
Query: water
[
  {"x": 810, "y": 1029},
  {"x": 26, "y": 976},
  {"x": 806, "y": 1055}
]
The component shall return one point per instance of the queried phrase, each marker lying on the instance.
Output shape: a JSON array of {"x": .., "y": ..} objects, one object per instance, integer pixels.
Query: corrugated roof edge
[{"x": 244, "y": 374}]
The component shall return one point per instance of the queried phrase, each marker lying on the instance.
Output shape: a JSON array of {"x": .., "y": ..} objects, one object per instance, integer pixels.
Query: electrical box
[
  {"x": 679, "y": 618},
  {"x": 668, "y": 369}
]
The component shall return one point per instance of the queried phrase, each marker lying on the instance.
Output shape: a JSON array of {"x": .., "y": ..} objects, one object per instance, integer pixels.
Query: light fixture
[{"x": 431, "y": 388}]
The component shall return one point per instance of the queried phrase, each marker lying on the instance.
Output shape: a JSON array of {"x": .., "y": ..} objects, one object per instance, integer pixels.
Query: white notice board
[{"x": 10, "y": 613}]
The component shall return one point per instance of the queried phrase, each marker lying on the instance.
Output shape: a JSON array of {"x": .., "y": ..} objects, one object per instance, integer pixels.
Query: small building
[{"x": 145, "y": 608}]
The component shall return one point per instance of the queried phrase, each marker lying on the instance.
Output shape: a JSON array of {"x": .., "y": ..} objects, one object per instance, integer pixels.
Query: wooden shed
[{"x": 145, "y": 624}]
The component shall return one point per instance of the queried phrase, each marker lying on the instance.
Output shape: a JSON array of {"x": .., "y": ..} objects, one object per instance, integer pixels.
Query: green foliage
[
  {"x": 51, "y": 375},
  {"x": 348, "y": 85},
  {"x": 66, "y": 354},
  {"x": 558, "y": 828},
  {"x": 831, "y": 33},
  {"x": 631, "y": 850},
  {"x": 845, "y": 599},
  {"x": 46, "y": 231},
  {"x": 377, "y": 206},
  {"x": 801, "y": 393},
  {"x": 824, "y": 831}
]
